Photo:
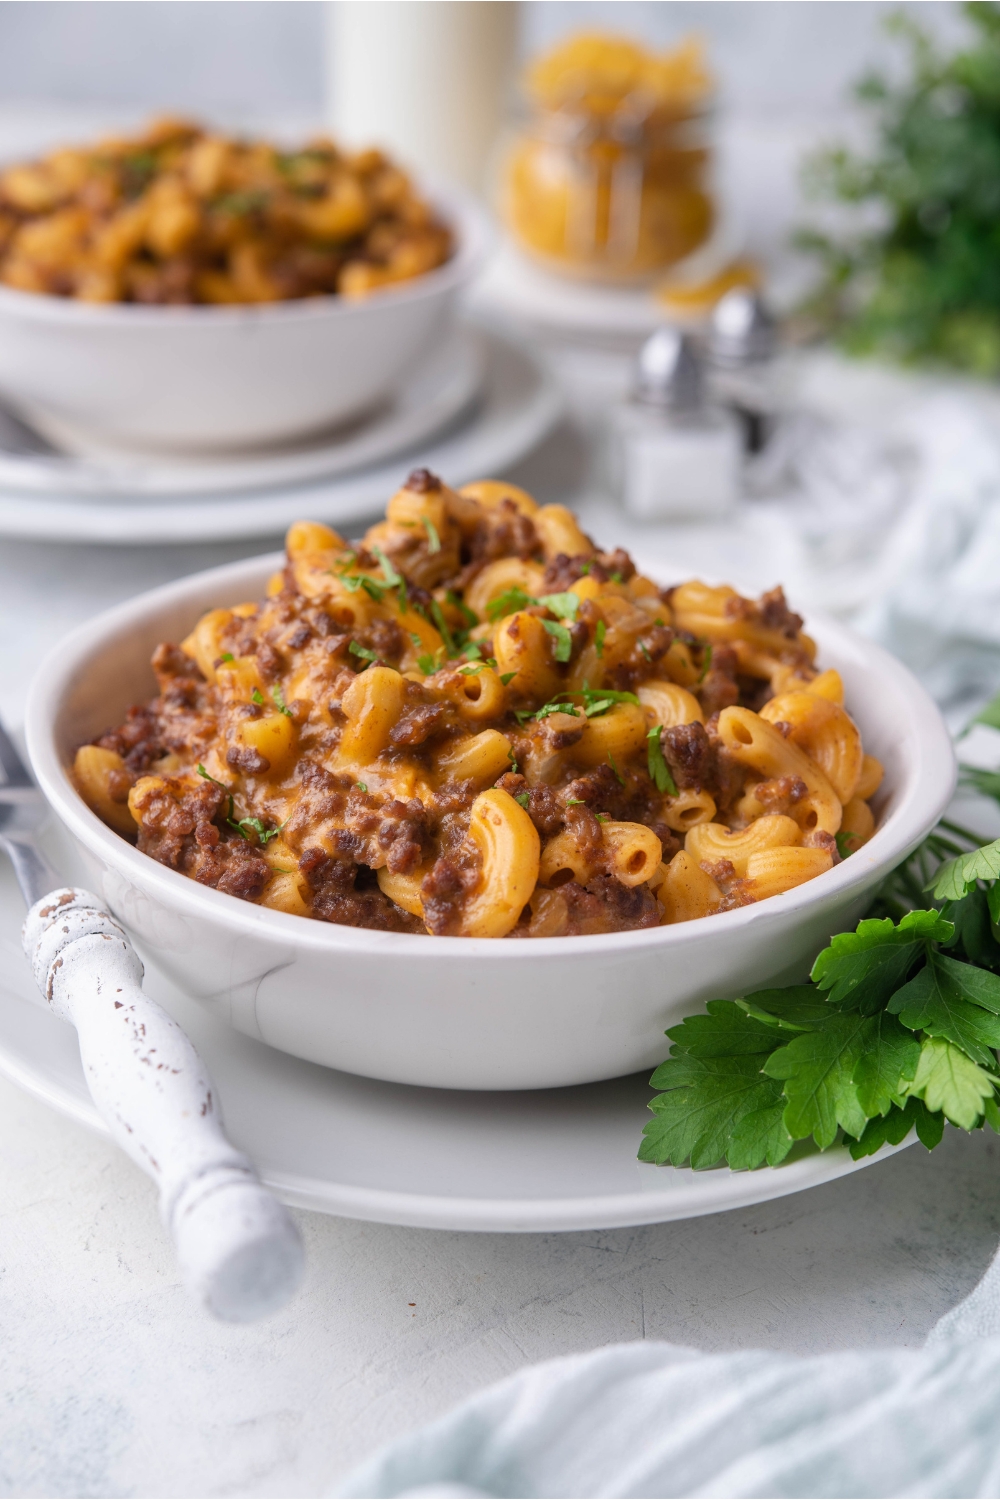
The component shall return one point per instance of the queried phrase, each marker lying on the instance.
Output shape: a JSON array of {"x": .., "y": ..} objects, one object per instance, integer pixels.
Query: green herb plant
[{"x": 916, "y": 275}]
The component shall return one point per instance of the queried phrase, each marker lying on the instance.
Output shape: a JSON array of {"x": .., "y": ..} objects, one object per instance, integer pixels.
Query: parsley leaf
[
  {"x": 563, "y": 648},
  {"x": 841, "y": 841},
  {"x": 507, "y": 677},
  {"x": 957, "y": 877},
  {"x": 564, "y": 606},
  {"x": 257, "y": 696},
  {"x": 523, "y": 798},
  {"x": 896, "y": 1126},
  {"x": 974, "y": 927},
  {"x": 798, "y": 1007},
  {"x": 468, "y": 615},
  {"x": 433, "y": 540},
  {"x": 705, "y": 1098},
  {"x": 363, "y": 652},
  {"x": 508, "y": 603},
  {"x": 706, "y": 662},
  {"x": 888, "y": 1062},
  {"x": 362, "y": 786},
  {"x": 600, "y": 632},
  {"x": 437, "y": 615},
  {"x": 725, "y": 1030},
  {"x": 611, "y": 763},
  {"x": 817, "y": 1069},
  {"x": 392, "y": 578},
  {"x": 659, "y": 771},
  {"x": 279, "y": 700},
  {"x": 862, "y": 969},
  {"x": 955, "y": 1001},
  {"x": 949, "y": 1081},
  {"x": 203, "y": 772},
  {"x": 227, "y": 656},
  {"x": 989, "y": 714},
  {"x": 354, "y": 581},
  {"x": 263, "y": 834}
]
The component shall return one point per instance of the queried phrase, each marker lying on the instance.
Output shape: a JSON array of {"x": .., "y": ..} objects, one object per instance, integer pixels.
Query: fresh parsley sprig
[{"x": 897, "y": 1030}]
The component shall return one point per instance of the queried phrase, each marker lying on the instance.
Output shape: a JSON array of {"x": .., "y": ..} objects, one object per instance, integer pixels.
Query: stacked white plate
[{"x": 475, "y": 408}]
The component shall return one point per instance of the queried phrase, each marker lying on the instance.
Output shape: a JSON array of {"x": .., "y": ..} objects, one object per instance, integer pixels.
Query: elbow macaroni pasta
[{"x": 474, "y": 723}]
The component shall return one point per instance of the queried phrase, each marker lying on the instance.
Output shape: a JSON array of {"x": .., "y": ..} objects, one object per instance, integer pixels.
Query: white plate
[
  {"x": 438, "y": 393},
  {"x": 556, "y": 1159},
  {"x": 519, "y": 403}
]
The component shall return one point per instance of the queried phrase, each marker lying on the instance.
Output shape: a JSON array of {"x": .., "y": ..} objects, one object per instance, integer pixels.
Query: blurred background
[{"x": 246, "y": 59}]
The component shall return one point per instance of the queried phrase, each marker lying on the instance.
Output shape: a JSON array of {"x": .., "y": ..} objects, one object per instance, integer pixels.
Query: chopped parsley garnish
[
  {"x": 430, "y": 664},
  {"x": 644, "y": 649},
  {"x": 523, "y": 798},
  {"x": 599, "y": 700},
  {"x": 603, "y": 817},
  {"x": 257, "y": 696},
  {"x": 468, "y": 615},
  {"x": 841, "y": 841},
  {"x": 392, "y": 578},
  {"x": 659, "y": 771},
  {"x": 433, "y": 540},
  {"x": 574, "y": 802},
  {"x": 611, "y": 763},
  {"x": 513, "y": 761},
  {"x": 563, "y": 649},
  {"x": 265, "y": 835},
  {"x": 437, "y": 615},
  {"x": 363, "y": 652},
  {"x": 355, "y": 581},
  {"x": 506, "y": 677},
  {"x": 508, "y": 603},
  {"x": 227, "y": 656},
  {"x": 614, "y": 578},
  {"x": 362, "y": 786},
  {"x": 599, "y": 635},
  {"x": 706, "y": 662},
  {"x": 203, "y": 772},
  {"x": 279, "y": 699},
  {"x": 565, "y": 606},
  {"x": 595, "y": 701}
]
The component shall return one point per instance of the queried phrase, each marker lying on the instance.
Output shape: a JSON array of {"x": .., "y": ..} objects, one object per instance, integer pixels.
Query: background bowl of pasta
[
  {"x": 440, "y": 1001},
  {"x": 178, "y": 291}
]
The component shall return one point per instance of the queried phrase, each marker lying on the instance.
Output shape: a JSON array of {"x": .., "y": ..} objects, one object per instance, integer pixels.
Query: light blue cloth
[{"x": 658, "y": 1419}]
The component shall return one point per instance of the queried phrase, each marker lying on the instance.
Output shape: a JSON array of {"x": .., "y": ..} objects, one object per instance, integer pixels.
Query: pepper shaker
[{"x": 742, "y": 349}]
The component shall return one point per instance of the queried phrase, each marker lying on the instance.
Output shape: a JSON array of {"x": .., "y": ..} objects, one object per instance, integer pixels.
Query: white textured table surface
[{"x": 112, "y": 1384}]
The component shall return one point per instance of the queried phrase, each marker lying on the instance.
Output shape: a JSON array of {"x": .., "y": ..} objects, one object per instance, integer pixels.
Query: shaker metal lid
[
  {"x": 741, "y": 329},
  {"x": 668, "y": 372}
]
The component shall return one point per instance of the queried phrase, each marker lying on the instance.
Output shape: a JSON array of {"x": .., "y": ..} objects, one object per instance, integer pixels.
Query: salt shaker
[
  {"x": 678, "y": 454},
  {"x": 742, "y": 348}
]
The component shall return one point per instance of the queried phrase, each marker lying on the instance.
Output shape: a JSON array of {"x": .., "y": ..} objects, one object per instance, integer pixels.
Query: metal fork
[{"x": 239, "y": 1249}]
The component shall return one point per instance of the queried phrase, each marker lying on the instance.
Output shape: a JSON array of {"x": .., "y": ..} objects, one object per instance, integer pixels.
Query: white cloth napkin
[{"x": 655, "y": 1419}]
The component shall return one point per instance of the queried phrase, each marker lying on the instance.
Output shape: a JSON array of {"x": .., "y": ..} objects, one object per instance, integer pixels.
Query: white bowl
[
  {"x": 203, "y": 378},
  {"x": 460, "y": 1012}
]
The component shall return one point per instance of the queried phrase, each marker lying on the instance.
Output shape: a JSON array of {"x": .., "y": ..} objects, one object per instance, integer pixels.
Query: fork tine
[{"x": 14, "y": 770}]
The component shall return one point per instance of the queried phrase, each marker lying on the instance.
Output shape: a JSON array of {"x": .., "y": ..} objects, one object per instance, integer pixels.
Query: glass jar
[{"x": 617, "y": 195}]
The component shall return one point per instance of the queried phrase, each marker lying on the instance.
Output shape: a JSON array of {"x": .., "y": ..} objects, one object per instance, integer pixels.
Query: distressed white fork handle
[{"x": 239, "y": 1250}]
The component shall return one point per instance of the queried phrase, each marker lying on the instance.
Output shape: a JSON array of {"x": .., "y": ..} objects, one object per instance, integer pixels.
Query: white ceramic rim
[
  {"x": 463, "y": 216},
  {"x": 919, "y": 808}
]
